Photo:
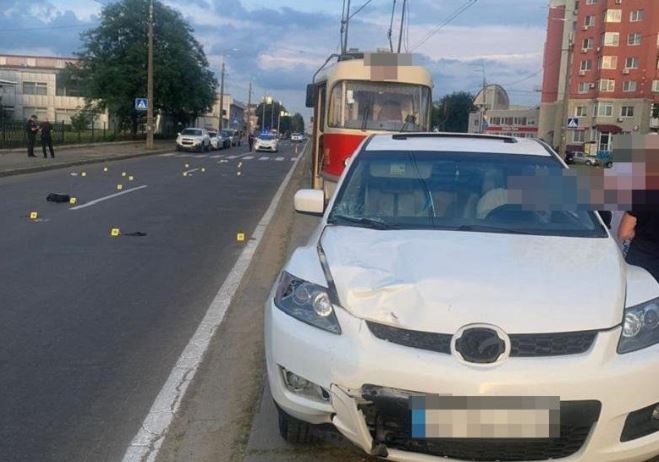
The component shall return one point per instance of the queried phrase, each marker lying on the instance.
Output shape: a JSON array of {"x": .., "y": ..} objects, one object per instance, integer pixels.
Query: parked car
[
  {"x": 429, "y": 318},
  {"x": 297, "y": 137},
  {"x": 233, "y": 135},
  {"x": 266, "y": 142},
  {"x": 581, "y": 158},
  {"x": 193, "y": 139},
  {"x": 217, "y": 142}
]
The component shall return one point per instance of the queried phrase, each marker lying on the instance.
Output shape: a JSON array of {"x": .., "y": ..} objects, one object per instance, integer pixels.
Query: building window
[
  {"x": 632, "y": 63},
  {"x": 581, "y": 111},
  {"x": 578, "y": 136},
  {"x": 591, "y": 2},
  {"x": 587, "y": 43},
  {"x": 40, "y": 112},
  {"x": 607, "y": 85},
  {"x": 586, "y": 65},
  {"x": 636, "y": 15},
  {"x": 495, "y": 120},
  {"x": 506, "y": 121},
  {"x": 609, "y": 62},
  {"x": 589, "y": 21},
  {"x": 634, "y": 39},
  {"x": 655, "y": 86},
  {"x": 604, "y": 109},
  {"x": 613, "y": 16},
  {"x": 519, "y": 121},
  {"x": 627, "y": 111},
  {"x": 584, "y": 87},
  {"x": 35, "y": 88},
  {"x": 611, "y": 39},
  {"x": 629, "y": 86},
  {"x": 64, "y": 115}
]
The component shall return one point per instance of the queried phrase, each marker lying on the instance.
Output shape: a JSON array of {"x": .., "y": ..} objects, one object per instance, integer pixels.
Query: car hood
[{"x": 442, "y": 280}]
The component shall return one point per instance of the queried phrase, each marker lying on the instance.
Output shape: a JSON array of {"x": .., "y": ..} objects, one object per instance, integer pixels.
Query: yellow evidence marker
[
  {"x": 187, "y": 165},
  {"x": 73, "y": 201},
  {"x": 83, "y": 174},
  {"x": 34, "y": 215},
  {"x": 123, "y": 173},
  {"x": 120, "y": 187},
  {"x": 203, "y": 169},
  {"x": 185, "y": 173},
  {"x": 240, "y": 237},
  {"x": 131, "y": 178},
  {"x": 105, "y": 169},
  {"x": 238, "y": 173},
  {"x": 114, "y": 232}
]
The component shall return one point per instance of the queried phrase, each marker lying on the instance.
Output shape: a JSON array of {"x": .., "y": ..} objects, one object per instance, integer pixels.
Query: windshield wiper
[
  {"x": 494, "y": 229},
  {"x": 370, "y": 223}
]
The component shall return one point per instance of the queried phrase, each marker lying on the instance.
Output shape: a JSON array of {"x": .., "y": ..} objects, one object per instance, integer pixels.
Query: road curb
[
  {"x": 41, "y": 168},
  {"x": 75, "y": 146}
]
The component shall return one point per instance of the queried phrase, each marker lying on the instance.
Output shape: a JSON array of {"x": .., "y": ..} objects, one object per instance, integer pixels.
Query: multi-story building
[
  {"x": 233, "y": 114},
  {"x": 33, "y": 85},
  {"x": 605, "y": 55},
  {"x": 495, "y": 115}
]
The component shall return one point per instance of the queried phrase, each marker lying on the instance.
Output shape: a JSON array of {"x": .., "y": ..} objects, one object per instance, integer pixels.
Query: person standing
[
  {"x": 47, "y": 139},
  {"x": 250, "y": 140},
  {"x": 642, "y": 228},
  {"x": 31, "y": 128}
]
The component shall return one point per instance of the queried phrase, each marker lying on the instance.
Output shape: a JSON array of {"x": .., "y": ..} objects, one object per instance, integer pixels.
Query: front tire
[{"x": 293, "y": 430}]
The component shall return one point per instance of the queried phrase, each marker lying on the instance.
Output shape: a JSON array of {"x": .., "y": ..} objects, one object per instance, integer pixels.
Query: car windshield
[
  {"x": 191, "y": 132},
  {"x": 212, "y": 134},
  {"x": 379, "y": 106},
  {"x": 457, "y": 191},
  {"x": 266, "y": 137}
]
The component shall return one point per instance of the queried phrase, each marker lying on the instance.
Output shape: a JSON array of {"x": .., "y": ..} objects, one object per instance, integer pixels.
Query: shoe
[{"x": 31, "y": 155}]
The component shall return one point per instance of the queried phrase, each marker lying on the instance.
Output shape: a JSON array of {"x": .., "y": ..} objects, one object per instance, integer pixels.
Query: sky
[{"x": 278, "y": 44}]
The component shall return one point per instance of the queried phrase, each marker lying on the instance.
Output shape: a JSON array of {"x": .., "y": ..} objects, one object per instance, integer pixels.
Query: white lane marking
[
  {"x": 217, "y": 156},
  {"x": 169, "y": 154},
  {"x": 279, "y": 158},
  {"x": 293, "y": 158},
  {"x": 148, "y": 440},
  {"x": 232, "y": 157},
  {"x": 264, "y": 158},
  {"x": 111, "y": 196},
  {"x": 187, "y": 172},
  {"x": 248, "y": 157}
]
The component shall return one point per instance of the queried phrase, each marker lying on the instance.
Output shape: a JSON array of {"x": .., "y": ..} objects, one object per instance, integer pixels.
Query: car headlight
[
  {"x": 306, "y": 302},
  {"x": 640, "y": 328}
]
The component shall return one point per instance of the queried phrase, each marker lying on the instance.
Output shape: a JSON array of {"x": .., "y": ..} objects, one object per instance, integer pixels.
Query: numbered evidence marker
[
  {"x": 120, "y": 187},
  {"x": 73, "y": 201},
  {"x": 240, "y": 237},
  {"x": 34, "y": 215},
  {"x": 114, "y": 232}
]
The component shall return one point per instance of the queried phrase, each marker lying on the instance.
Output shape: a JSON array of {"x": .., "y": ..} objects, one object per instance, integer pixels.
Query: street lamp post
[
  {"x": 224, "y": 52},
  {"x": 149, "y": 90}
]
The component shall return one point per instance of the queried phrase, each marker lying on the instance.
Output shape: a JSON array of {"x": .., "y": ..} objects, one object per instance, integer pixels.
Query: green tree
[
  {"x": 268, "y": 113},
  {"x": 113, "y": 64},
  {"x": 451, "y": 113},
  {"x": 297, "y": 123}
]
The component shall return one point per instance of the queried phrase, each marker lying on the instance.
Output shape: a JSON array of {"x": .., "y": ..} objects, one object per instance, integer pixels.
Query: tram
[{"x": 358, "y": 95}]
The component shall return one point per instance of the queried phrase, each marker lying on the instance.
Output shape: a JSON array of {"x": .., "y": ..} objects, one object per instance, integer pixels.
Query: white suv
[
  {"x": 193, "y": 139},
  {"x": 433, "y": 315}
]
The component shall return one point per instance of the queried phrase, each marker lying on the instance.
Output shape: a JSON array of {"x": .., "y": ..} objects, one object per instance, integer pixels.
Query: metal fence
[{"x": 13, "y": 134}]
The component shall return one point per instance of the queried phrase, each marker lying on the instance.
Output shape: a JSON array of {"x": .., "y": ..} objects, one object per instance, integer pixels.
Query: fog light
[{"x": 295, "y": 382}]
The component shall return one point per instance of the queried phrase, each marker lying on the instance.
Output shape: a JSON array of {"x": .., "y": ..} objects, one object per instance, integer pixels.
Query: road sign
[
  {"x": 572, "y": 122},
  {"x": 141, "y": 104}
]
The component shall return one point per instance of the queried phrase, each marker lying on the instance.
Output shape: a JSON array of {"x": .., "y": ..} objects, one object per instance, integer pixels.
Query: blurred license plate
[{"x": 485, "y": 416}]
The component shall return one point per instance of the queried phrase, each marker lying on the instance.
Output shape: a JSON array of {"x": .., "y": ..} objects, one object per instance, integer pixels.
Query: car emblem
[{"x": 481, "y": 344}]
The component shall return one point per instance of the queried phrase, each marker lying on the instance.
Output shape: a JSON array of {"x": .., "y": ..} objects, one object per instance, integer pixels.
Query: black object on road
[{"x": 56, "y": 197}]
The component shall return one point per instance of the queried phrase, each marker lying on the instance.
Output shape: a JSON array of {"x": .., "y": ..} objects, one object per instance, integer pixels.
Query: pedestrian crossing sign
[
  {"x": 141, "y": 104},
  {"x": 572, "y": 122}
]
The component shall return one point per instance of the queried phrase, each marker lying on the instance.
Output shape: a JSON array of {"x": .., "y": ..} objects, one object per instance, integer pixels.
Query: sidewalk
[{"x": 15, "y": 163}]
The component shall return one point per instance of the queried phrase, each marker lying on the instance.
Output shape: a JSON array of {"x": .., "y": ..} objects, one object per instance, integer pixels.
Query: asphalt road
[{"x": 90, "y": 324}]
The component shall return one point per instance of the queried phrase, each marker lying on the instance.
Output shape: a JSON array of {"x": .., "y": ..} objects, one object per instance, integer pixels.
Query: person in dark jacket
[
  {"x": 47, "y": 139},
  {"x": 31, "y": 128},
  {"x": 250, "y": 140},
  {"x": 642, "y": 227}
]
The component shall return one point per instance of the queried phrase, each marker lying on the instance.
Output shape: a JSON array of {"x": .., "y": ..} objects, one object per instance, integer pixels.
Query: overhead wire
[{"x": 468, "y": 4}]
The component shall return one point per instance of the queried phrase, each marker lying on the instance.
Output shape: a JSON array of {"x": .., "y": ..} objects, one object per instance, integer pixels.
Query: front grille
[
  {"x": 389, "y": 422},
  {"x": 522, "y": 345}
]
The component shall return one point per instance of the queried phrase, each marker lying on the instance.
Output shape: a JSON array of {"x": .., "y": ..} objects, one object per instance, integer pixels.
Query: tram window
[{"x": 379, "y": 106}]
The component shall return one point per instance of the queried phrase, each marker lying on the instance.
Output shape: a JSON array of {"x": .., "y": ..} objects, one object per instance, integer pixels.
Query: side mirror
[
  {"x": 310, "y": 95},
  {"x": 311, "y": 201}
]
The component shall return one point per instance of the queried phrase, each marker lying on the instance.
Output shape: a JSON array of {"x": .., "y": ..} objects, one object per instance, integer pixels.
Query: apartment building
[
  {"x": 605, "y": 55},
  {"x": 33, "y": 85}
]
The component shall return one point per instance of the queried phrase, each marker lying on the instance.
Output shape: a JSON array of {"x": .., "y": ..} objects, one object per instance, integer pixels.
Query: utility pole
[
  {"x": 402, "y": 25},
  {"x": 566, "y": 94},
  {"x": 149, "y": 91},
  {"x": 484, "y": 105},
  {"x": 249, "y": 108},
  {"x": 222, "y": 96},
  {"x": 272, "y": 115},
  {"x": 265, "y": 101}
]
